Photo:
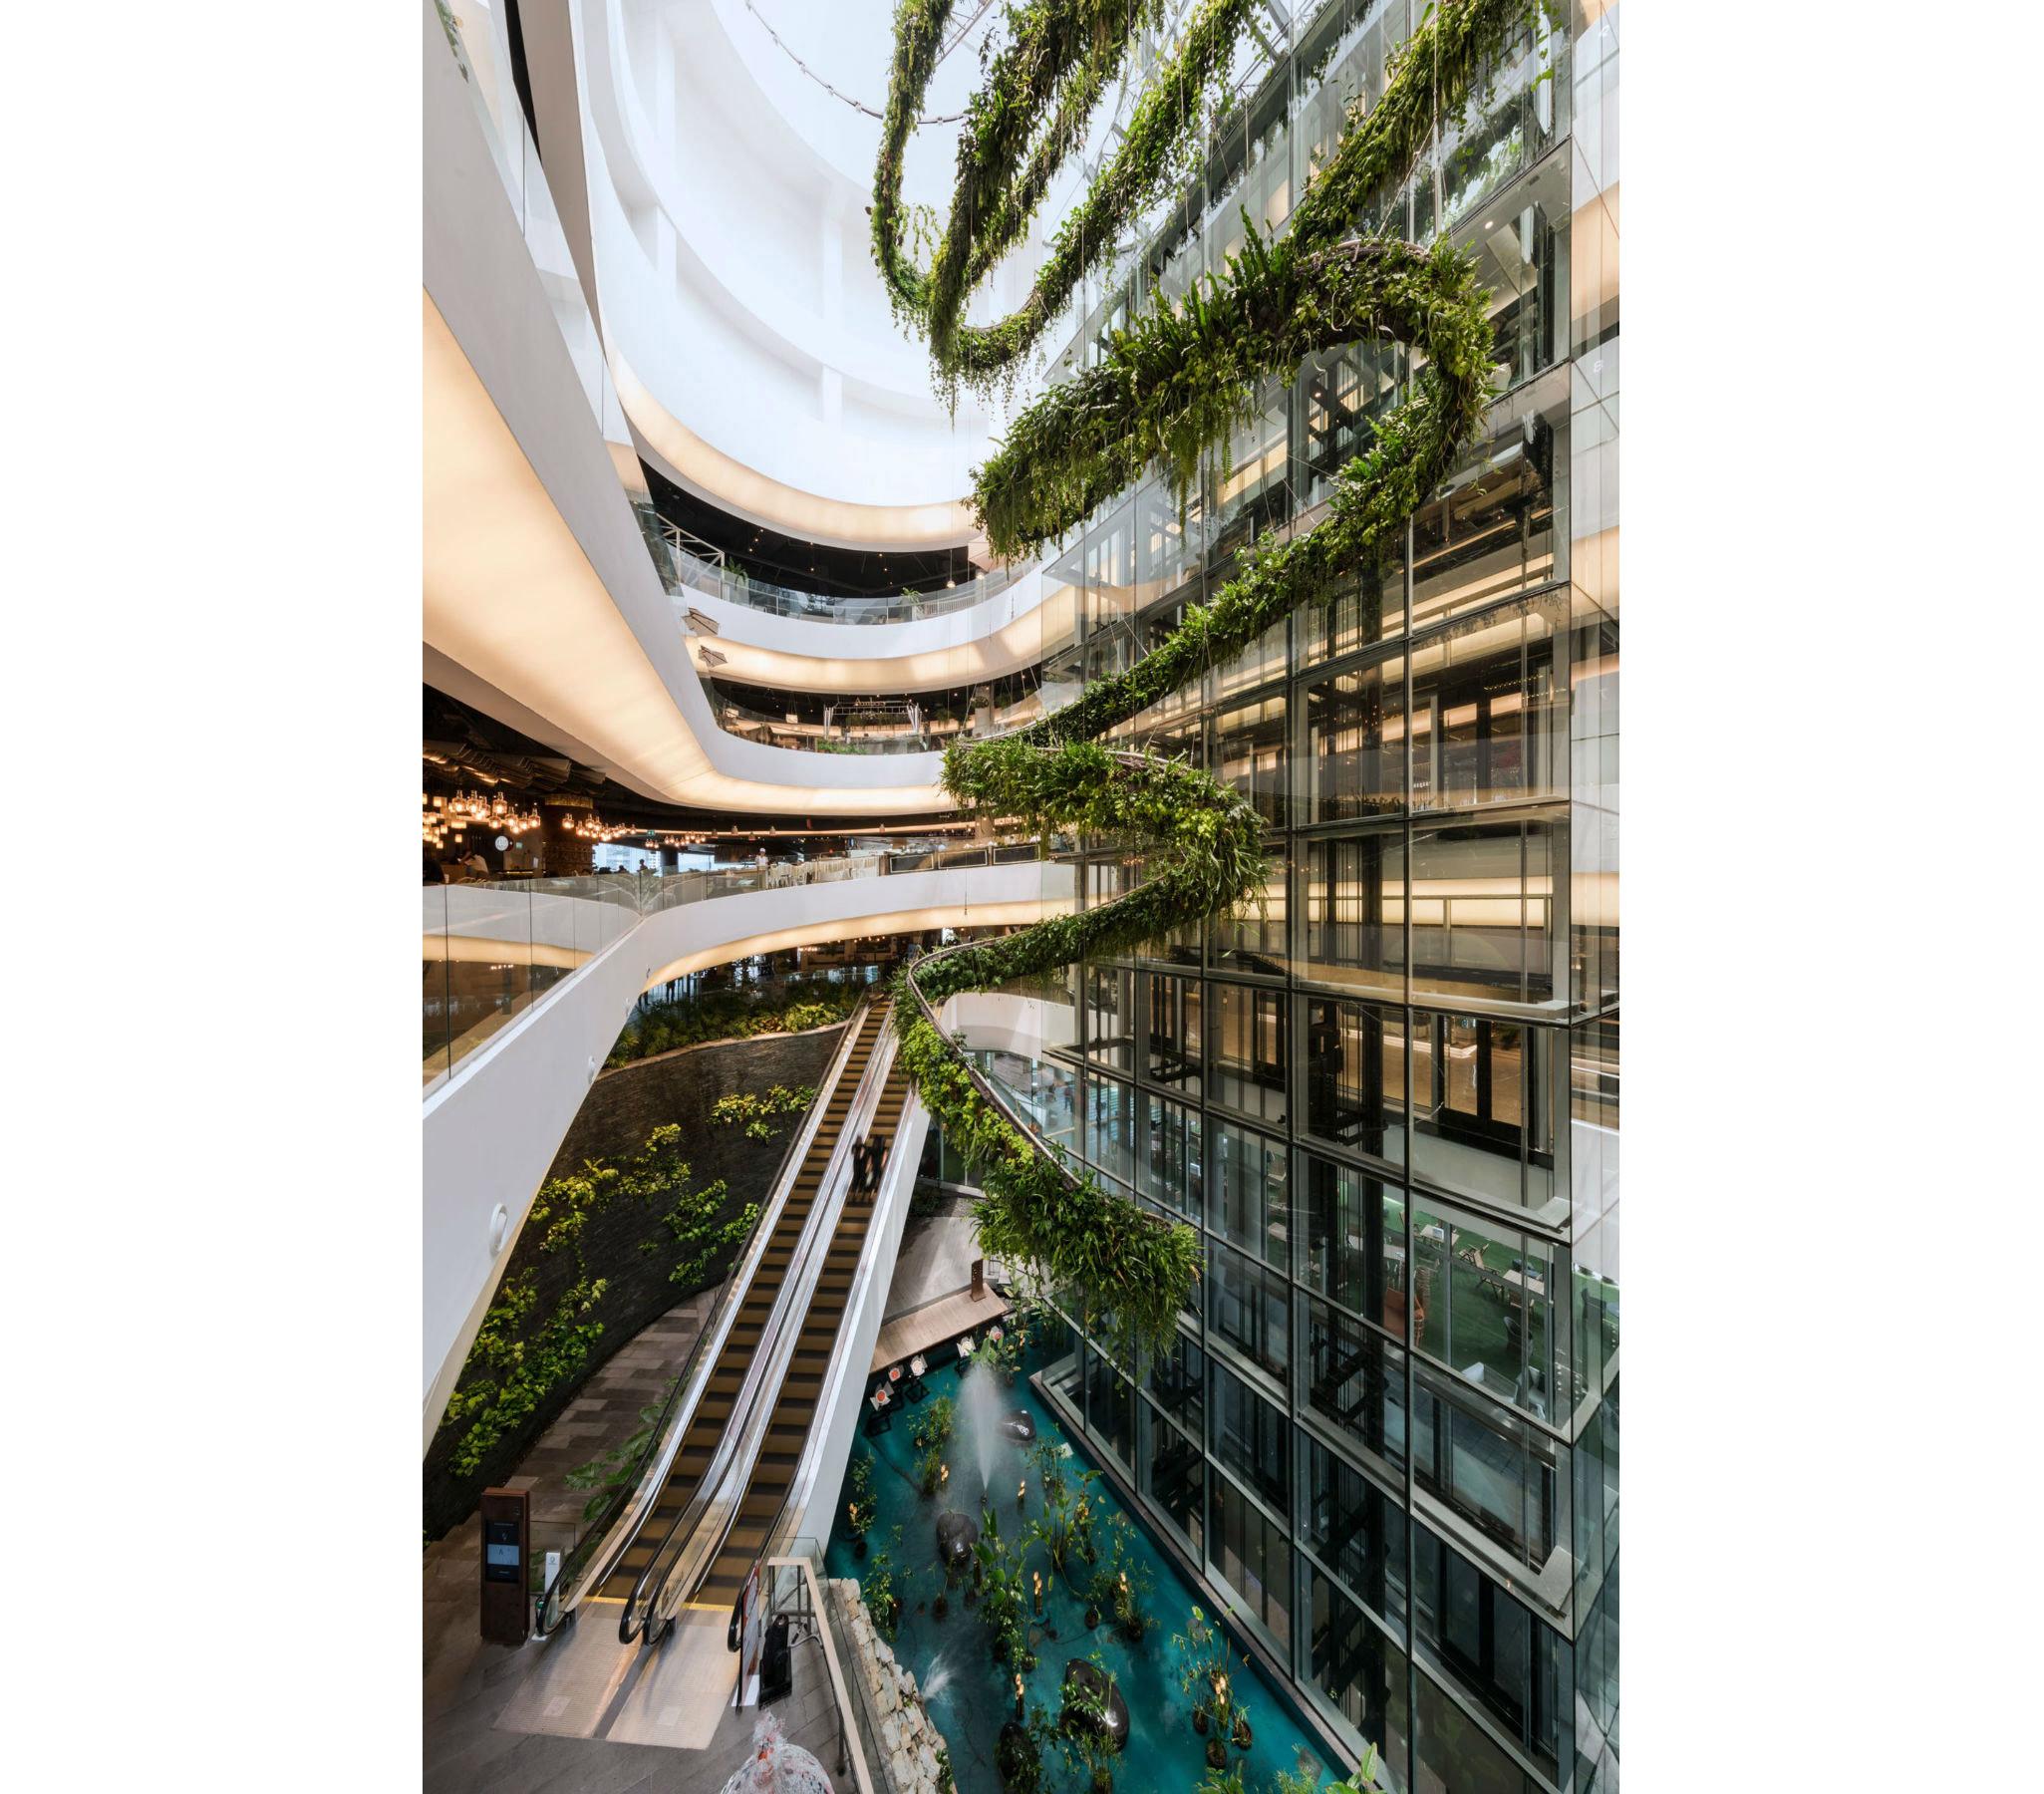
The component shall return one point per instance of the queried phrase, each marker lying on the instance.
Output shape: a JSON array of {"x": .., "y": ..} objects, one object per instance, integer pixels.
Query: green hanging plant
[{"x": 1167, "y": 388}]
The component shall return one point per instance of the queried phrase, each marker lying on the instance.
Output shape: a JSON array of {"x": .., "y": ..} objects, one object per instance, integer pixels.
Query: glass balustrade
[
  {"x": 489, "y": 951},
  {"x": 687, "y": 573},
  {"x": 886, "y": 726}
]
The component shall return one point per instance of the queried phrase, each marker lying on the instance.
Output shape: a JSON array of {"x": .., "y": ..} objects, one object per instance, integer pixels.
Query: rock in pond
[
  {"x": 956, "y": 1536},
  {"x": 1084, "y": 1690}
]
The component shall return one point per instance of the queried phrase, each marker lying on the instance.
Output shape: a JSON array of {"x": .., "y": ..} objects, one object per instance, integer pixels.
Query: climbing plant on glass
[{"x": 1167, "y": 388}]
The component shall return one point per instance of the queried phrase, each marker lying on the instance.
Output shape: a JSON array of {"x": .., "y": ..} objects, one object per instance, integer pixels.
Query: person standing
[{"x": 858, "y": 1164}]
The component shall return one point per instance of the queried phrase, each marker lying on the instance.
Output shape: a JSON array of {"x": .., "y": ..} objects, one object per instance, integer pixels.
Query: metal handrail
[
  {"x": 627, "y": 1512},
  {"x": 739, "y": 587},
  {"x": 648, "y": 1606}
]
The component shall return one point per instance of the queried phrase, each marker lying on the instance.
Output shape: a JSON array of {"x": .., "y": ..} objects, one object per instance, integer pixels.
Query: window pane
[
  {"x": 1248, "y": 1550},
  {"x": 1482, "y": 1093},
  {"x": 1354, "y": 1380},
  {"x": 1353, "y": 920},
  {"x": 1361, "y": 1672},
  {"x": 1172, "y": 1054},
  {"x": 1250, "y": 937},
  {"x": 1355, "y": 1528},
  {"x": 1490, "y": 711},
  {"x": 1355, "y": 1075},
  {"x": 1353, "y": 1246},
  {"x": 1170, "y": 1168},
  {"x": 1250, "y": 755},
  {"x": 1483, "y": 917},
  {"x": 1248, "y": 1051},
  {"x": 1246, "y": 1306},
  {"x": 1356, "y": 744},
  {"x": 1250, "y": 1193},
  {"x": 1174, "y": 1475}
]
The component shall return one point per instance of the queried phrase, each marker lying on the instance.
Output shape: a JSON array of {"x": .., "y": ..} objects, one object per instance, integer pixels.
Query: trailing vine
[{"x": 1166, "y": 390}]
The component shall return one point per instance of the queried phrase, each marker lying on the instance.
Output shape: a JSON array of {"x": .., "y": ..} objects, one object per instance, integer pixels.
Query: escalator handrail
[
  {"x": 658, "y": 1595},
  {"x": 586, "y": 1567}
]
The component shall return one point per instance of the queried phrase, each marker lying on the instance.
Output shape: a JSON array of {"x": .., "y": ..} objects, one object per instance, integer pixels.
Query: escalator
[
  {"x": 714, "y": 1415},
  {"x": 795, "y": 1407}
]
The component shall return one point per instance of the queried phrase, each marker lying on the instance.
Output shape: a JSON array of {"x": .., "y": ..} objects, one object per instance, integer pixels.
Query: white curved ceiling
[{"x": 749, "y": 334}]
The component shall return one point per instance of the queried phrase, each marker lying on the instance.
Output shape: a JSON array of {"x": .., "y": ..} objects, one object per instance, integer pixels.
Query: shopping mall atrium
[{"x": 1019, "y": 848}]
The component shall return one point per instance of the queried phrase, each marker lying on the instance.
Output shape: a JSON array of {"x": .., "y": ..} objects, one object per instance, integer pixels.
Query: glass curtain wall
[{"x": 1387, "y": 1092}]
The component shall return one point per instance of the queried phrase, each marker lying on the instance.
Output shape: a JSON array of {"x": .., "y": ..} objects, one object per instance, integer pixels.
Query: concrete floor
[{"x": 582, "y": 1712}]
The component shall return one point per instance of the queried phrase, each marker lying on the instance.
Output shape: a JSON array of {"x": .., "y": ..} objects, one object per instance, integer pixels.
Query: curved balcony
[{"x": 703, "y": 576}]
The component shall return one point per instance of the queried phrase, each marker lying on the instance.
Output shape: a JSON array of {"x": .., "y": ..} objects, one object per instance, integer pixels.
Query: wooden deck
[{"x": 932, "y": 1325}]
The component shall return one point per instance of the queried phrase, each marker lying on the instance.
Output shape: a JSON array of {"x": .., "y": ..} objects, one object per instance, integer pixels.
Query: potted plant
[
  {"x": 859, "y": 1508},
  {"x": 1362, "y": 1779},
  {"x": 1121, "y": 1584},
  {"x": 882, "y": 1599},
  {"x": 1204, "y": 1662},
  {"x": 1082, "y": 1727}
]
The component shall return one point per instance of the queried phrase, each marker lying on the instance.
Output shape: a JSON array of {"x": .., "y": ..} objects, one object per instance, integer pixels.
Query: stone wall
[
  {"x": 627, "y": 1102},
  {"x": 912, "y": 1751}
]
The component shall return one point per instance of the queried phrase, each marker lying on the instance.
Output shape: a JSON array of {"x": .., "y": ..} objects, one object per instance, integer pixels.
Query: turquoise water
[{"x": 968, "y": 1696}]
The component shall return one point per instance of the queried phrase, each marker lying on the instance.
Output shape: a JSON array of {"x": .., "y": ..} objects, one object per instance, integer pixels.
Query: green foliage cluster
[
  {"x": 521, "y": 1357},
  {"x": 758, "y": 1115},
  {"x": 1121, "y": 1583},
  {"x": 704, "y": 1241},
  {"x": 1032, "y": 114},
  {"x": 512, "y": 1368},
  {"x": 1004, "y": 1591},
  {"x": 877, "y": 1589},
  {"x": 1083, "y": 1732},
  {"x": 1166, "y": 390},
  {"x": 729, "y": 1016},
  {"x": 932, "y": 1434},
  {"x": 859, "y": 1507}
]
